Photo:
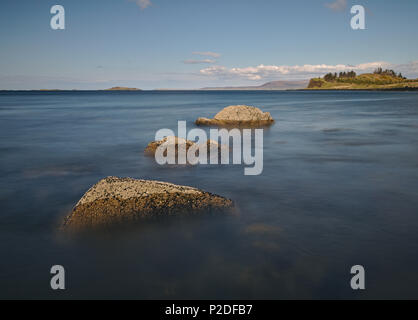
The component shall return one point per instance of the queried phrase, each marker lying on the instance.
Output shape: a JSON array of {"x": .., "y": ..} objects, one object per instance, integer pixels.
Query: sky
[{"x": 187, "y": 44}]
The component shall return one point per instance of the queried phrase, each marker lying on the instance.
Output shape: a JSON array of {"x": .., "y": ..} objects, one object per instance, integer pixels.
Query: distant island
[
  {"x": 122, "y": 89},
  {"x": 378, "y": 80},
  {"x": 273, "y": 85}
]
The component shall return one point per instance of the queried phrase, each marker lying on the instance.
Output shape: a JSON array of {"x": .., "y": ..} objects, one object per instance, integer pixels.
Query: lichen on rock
[
  {"x": 178, "y": 143},
  {"x": 239, "y": 116},
  {"x": 115, "y": 201},
  {"x": 212, "y": 147}
]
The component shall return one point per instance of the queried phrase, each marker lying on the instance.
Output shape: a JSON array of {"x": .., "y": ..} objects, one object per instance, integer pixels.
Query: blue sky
[{"x": 195, "y": 43}]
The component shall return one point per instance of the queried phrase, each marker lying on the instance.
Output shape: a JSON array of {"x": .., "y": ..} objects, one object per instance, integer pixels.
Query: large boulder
[
  {"x": 240, "y": 116},
  {"x": 115, "y": 201}
]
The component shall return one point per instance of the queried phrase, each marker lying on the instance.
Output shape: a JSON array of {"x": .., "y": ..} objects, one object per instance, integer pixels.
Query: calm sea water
[{"x": 339, "y": 188}]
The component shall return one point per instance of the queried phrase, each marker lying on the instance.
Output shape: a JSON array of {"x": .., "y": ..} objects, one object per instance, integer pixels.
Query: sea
[{"x": 339, "y": 188}]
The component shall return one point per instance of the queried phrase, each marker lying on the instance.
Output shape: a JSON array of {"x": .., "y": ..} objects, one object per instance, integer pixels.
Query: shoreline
[{"x": 205, "y": 90}]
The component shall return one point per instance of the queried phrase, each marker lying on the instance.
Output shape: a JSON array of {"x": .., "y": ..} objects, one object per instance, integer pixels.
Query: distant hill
[
  {"x": 122, "y": 89},
  {"x": 273, "y": 85},
  {"x": 379, "y": 80}
]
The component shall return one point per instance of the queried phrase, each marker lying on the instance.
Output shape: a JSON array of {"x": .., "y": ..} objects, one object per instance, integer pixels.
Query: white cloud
[
  {"x": 207, "y": 54},
  {"x": 338, "y": 5},
  {"x": 409, "y": 69},
  {"x": 191, "y": 61},
  {"x": 263, "y": 72},
  {"x": 143, "y": 4}
]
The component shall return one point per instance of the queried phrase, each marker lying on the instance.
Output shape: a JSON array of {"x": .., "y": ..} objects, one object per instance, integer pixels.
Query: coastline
[{"x": 239, "y": 90}]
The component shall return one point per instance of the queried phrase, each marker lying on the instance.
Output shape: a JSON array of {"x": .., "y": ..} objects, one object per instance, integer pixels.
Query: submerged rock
[
  {"x": 168, "y": 141},
  {"x": 115, "y": 201},
  {"x": 241, "y": 116},
  {"x": 212, "y": 146}
]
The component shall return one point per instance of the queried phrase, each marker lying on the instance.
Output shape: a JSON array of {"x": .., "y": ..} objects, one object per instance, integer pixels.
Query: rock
[
  {"x": 241, "y": 116},
  {"x": 115, "y": 201},
  {"x": 212, "y": 146},
  {"x": 243, "y": 113},
  {"x": 178, "y": 142}
]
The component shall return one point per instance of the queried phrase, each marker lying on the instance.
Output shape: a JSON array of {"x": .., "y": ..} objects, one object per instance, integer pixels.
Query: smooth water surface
[{"x": 339, "y": 188}]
